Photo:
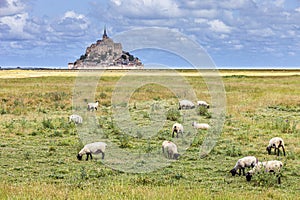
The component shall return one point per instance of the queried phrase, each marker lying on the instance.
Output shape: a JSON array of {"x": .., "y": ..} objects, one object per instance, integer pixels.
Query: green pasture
[{"x": 38, "y": 146}]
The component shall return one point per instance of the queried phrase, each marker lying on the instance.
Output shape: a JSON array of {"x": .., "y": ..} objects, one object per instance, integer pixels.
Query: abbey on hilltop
[{"x": 105, "y": 54}]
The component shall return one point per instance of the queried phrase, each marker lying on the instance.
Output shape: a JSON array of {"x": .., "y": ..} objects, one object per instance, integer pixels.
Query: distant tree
[
  {"x": 82, "y": 57},
  {"x": 131, "y": 58},
  {"x": 124, "y": 57}
]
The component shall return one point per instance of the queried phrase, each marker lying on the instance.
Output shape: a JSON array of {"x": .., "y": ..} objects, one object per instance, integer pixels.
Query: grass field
[{"x": 38, "y": 145}]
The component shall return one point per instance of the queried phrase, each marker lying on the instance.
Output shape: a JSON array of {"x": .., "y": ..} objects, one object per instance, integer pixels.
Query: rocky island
[{"x": 105, "y": 54}]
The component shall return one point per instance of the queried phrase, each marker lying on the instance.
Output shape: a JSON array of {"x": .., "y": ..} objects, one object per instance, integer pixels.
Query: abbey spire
[{"x": 104, "y": 36}]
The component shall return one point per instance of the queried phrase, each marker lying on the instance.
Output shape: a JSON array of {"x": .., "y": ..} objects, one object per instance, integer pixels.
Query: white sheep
[
  {"x": 92, "y": 106},
  {"x": 92, "y": 148},
  {"x": 186, "y": 104},
  {"x": 203, "y": 126},
  {"x": 203, "y": 103},
  {"x": 177, "y": 128},
  {"x": 241, "y": 164},
  {"x": 276, "y": 143},
  {"x": 76, "y": 119},
  {"x": 268, "y": 166},
  {"x": 171, "y": 149}
]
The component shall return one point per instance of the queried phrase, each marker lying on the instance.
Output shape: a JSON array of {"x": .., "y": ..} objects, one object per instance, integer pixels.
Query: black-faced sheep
[
  {"x": 203, "y": 126},
  {"x": 203, "y": 103},
  {"x": 76, "y": 119},
  {"x": 273, "y": 166},
  {"x": 171, "y": 149},
  {"x": 177, "y": 128},
  {"x": 276, "y": 143},
  {"x": 186, "y": 104},
  {"x": 92, "y": 148},
  {"x": 241, "y": 164},
  {"x": 92, "y": 106}
]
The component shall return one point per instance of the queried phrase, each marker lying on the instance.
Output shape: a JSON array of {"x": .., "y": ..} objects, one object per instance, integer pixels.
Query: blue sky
[{"x": 235, "y": 33}]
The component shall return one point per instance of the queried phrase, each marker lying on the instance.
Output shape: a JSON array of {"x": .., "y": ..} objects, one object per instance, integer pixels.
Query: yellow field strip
[{"x": 42, "y": 73}]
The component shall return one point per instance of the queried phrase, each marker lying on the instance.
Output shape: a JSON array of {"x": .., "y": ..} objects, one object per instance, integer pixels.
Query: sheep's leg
[
  {"x": 169, "y": 154},
  {"x": 239, "y": 171},
  {"x": 277, "y": 150},
  {"x": 103, "y": 154},
  {"x": 91, "y": 156},
  {"x": 278, "y": 179},
  {"x": 163, "y": 149},
  {"x": 243, "y": 171},
  {"x": 173, "y": 133},
  {"x": 283, "y": 149},
  {"x": 87, "y": 156}
]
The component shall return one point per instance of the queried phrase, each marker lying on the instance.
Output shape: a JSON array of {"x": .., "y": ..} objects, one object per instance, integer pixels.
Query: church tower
[{"x": 104, "y": 36}]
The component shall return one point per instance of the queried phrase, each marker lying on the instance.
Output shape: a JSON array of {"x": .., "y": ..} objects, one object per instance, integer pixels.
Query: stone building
[{"x": 105, "y": 54}]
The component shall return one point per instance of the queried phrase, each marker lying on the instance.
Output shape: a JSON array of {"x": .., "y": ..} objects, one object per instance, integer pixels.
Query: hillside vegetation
[{"x": 38, "y": 145}]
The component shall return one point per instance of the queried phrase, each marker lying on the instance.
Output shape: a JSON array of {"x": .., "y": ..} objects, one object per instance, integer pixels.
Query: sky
[{"x": 234, "y": 33}]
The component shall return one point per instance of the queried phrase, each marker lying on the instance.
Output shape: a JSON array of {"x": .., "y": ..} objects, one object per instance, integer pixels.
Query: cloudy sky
[{"x": 235, "y": 33}]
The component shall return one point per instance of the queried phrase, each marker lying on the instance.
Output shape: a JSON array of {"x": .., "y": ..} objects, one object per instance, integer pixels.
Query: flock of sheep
[
  {"x": 272, "y": 166},
  {"x": 170, "y": 148}
]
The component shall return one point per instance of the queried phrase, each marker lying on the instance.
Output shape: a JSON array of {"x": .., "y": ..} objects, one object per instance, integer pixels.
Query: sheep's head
[
  {"x": 176, "y": 156},
  {"x": 233, "y": 172},
  {"x": 248, "y": 176},
  {"x": 269, "y": 150},
  {"x": 79, "y": 157}
]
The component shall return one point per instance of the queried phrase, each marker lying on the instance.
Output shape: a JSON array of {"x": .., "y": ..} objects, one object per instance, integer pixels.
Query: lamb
[
  {"x": 275, "y": 143},
  {"x": 171, "y": 149},
  {"x": 203, "y": 103},
  {"x": 203, "y": 126},
  {"x": 269, "y": 166},
  {"x": 92, "y": 106},
  {"x": 186, "y": 104},
  {"x": 177, "y": 128},
  {"x": 241, "y": 164},
  {"x": 92, "y": 148},
  {"x": 76, "y": 119}
]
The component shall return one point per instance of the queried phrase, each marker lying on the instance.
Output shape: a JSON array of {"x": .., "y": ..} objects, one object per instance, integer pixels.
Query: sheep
[
  {"x": 76, "y": 119},
  {"x": 171, "y": 149},
  {"x": 203, "y": 103},
  {"x": 186, "y": 104},
  {"x": 241, "y": 164},
  {"x": 268, "y": 166},
  {"x": 92, "y": 106},
  {"x": 177, "y": 128},
  {"x": 275, "y": 143},
  {"x": 92, "y": 148},
  {"x": 203, "y": 126}
]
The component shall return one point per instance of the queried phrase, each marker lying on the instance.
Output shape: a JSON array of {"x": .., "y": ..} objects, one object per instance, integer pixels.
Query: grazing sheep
[
  {"x": 186, "y": 104},
  {"x": 92, "y": 106},
  {"x": 92, "y": 148},
  {"x": 268, "y": 166},
  {"x": 203, "y": 103},
  {"x": 203, "y": 126},
  {"x": 275, "y": 143},
  {"x": 177, "y": 128},
  {"x": 241, "y": 164},
  {"x": 76, "y": 119},
  {"x": 171, "y": 149}
]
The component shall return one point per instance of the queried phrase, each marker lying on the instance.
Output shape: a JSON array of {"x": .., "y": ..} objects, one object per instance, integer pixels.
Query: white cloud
[
  {"x": 16, "y": 24},
  {"x": 11, "y": 7},
  {"x": 264, "y": 32},
  {"x": 144, "y": 8},
  {"x": 219, "y": 26}
]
